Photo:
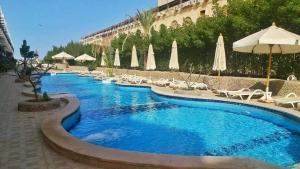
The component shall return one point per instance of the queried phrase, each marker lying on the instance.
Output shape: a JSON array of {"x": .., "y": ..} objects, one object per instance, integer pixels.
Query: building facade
[
  {"x": 6, "y": 47},
  {"x": 171, "y": 13}
]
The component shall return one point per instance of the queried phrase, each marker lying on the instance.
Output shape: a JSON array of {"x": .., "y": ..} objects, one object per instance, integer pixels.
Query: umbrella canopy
[
  {"x": 150, "y": 60},
  {"x": 268, "y": 41},
  {"x": 220, "y": 58},
  {"x": 85, "y": 57},
  {"x": 134, "y": 59},
  {"x": 275, "y": 38},
  {"x": 117, "y": 58},
  {"x": 103, "y": 63},
  {"x": 63, "y": 56},
  {"x": 174, "y": 65}
]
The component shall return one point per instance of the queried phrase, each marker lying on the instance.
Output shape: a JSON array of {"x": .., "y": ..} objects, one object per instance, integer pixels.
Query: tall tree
[
  {"x": 26, "y": 54},
  {"x": 146, "y": 19}
]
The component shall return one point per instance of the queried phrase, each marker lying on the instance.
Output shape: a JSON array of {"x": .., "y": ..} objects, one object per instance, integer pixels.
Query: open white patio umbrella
[
  {"x": 103, "y": 63},
  {"x": 174, "y": 65},
  {"x": 134, "y": 59},
  {"x": 117, "y": 58},
  {"x": 268, "y": 41},
  {"x": 220, "y": 57},
  {"x": 84, "y": 57},
  {"x": 63, "y": 56},
  {"x": 150, "y": 59}
]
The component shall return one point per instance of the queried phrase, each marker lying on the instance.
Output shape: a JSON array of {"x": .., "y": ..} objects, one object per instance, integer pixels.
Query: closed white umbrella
[
  {"x": 220, "y": 57},
  {"x": 85, "y": 57},
  {"x": 103, "y": 63},
  {"x": 268, "y": 41},
  {"x": 174, "y": 65},
  {"x": 117, "y": 58},
  {"x": 134, "y": 59},
  {"x": 150, "y": 59}
]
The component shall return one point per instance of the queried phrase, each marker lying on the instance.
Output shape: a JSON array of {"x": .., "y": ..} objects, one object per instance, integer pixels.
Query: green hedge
[
  {"x": 197, "y": 41},
  {"x": 7, "y": 63}
]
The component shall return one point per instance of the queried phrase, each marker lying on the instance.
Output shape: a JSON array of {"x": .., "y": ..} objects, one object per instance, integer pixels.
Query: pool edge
[{"x": 64, "y": 143}]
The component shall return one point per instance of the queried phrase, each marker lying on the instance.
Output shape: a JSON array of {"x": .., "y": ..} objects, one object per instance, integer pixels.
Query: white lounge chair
[
  {"x": 199, "y": 86},
  {"x": 161, "y": 82},
  {"x": 246, "y": 93},
  {"x": 125, "y": 77},
  {"x": 225, "y": 92},
  {"x": 178, "y": 84},
  {"x": 290, "y": 99},
  {"x": 292, "y": 78},
  {"x": 137, "y": 80}
]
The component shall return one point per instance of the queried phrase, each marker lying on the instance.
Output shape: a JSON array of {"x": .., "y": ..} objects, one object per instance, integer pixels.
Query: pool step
[{"x": 251, "y": 144}]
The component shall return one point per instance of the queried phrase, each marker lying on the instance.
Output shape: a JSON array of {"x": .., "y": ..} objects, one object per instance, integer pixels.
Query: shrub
[
  {"x": 46, "y": 97},
  {"x": 91, "y": 67}
]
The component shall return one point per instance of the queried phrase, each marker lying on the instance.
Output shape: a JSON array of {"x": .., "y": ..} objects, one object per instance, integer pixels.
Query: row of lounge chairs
[
  {"x": 244, "y": 94},
  {"x": 162, "y": 82}
]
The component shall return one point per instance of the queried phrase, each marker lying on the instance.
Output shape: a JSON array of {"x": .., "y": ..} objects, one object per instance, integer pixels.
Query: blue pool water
[{"x": 136, "y": 119}]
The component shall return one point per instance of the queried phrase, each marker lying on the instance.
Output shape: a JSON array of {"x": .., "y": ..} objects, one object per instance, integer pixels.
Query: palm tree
[{"x": 146, "y": 19}]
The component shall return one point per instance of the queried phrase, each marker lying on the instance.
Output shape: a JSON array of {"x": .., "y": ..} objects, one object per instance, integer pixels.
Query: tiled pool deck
[{"x": 21, "y": 143}]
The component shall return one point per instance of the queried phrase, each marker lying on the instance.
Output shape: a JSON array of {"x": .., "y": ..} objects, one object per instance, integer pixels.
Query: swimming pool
[{"x": 136, "y": 119}]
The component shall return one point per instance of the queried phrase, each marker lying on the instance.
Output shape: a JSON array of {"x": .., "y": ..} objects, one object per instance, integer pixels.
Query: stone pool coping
[
  {"x": 163, "y": 91},
  {"x": 61, "y": 141}
]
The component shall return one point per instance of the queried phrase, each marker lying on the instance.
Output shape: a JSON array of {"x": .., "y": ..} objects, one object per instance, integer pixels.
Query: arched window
[
  {"x": 174, "y": 24},
  {"x": 187, "y": 21}
]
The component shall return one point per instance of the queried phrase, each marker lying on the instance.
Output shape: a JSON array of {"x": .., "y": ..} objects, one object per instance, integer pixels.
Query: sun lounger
[
  {"x": 124, "y": 77},
  {"x": 177, "y": 84},
  {"x": 290, "y": 99},
  {"x": 137, "y": 80},
  {"x": 161, "y": 82},
  {"x": 199, "y": 86},
  {"x": 292, "y": 78},
  {"x": 226, "y": 92},
  {"x": 246, "y": 93}
]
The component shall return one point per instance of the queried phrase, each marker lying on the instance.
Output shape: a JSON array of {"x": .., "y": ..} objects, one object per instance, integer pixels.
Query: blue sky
[{"x": 44, "y": 23}]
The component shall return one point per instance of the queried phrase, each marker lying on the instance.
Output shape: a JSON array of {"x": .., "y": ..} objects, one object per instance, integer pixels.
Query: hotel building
[
  {"x": 6, "y": 47},
  {"x": 171, "y": 13}
]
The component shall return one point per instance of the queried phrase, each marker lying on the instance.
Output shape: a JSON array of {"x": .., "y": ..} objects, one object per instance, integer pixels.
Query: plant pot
[
  {"x": 36, "y": 106},
  {"x": 20, "y": 80}
]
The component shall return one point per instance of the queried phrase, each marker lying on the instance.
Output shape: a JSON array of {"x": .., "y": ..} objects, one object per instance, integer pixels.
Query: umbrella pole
[
  {"x": 219, "y": 78},
  {"x": 269, "y": 72}
]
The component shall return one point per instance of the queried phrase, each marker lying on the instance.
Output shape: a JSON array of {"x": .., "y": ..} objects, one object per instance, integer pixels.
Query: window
[
  {"x": 187, "y": 21},
  {"x": 202, "y": 13},
  {"x": 174, "y": 24}
]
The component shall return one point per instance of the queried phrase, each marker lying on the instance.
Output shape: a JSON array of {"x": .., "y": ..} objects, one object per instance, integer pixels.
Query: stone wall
[{"x": 277, "y": 86}]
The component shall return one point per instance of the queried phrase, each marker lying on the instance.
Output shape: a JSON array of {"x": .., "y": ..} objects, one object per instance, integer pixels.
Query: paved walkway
[{"x": 21, "y": 144}]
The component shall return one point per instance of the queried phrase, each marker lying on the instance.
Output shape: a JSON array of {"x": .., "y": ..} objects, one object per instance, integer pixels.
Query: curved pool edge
[
  {"x": 289, "y": 113},
  {"x": 64, "y": 143}
]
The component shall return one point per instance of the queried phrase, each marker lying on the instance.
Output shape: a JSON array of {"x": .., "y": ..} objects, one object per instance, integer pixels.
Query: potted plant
[{"x": 32, "y": 72}]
